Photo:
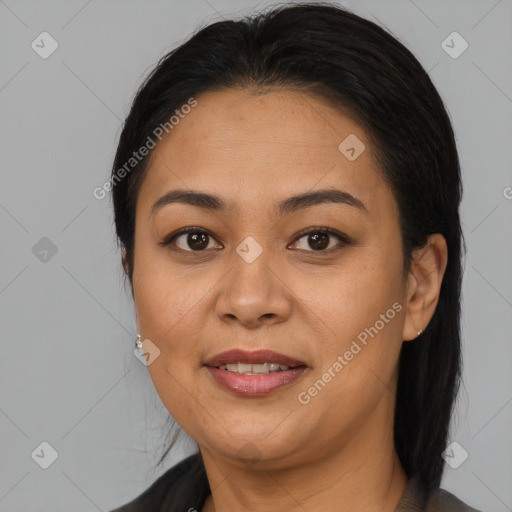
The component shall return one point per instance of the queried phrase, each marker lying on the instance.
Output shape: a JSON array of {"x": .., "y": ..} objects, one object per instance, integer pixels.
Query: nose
[{"x": 254, "y": 293}]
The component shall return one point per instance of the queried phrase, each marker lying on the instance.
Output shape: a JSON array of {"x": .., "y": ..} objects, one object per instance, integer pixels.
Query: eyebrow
[{"x": 289, "y": 205}]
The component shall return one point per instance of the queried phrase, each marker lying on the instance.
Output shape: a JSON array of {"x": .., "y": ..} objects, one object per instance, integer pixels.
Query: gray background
[{"x": 68, "y": 374}]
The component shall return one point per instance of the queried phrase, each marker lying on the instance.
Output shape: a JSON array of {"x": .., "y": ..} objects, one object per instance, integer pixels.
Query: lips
[
  {"x": 256, "y": 357},
  {"x": 222, "y": 368}
]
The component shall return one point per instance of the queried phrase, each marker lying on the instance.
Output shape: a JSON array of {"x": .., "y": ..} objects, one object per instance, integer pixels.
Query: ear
[{"x": 424, "y": 285}]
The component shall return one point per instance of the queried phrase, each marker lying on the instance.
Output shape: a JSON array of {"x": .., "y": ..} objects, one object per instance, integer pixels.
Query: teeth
[
  {"x": 244, "y": 368},
  {"x": 254, "y": 369},
  {"x": 260, "y": 368}
]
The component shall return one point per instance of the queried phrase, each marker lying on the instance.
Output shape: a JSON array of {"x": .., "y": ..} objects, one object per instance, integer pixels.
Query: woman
[{"x": 286, "y": 192}]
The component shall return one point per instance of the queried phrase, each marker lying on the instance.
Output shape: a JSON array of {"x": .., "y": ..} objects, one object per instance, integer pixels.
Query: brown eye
[
  {"x": 196, "y": 241},
  {"x": 319, "y": 239},
  {"x": 190, "y": 239}
]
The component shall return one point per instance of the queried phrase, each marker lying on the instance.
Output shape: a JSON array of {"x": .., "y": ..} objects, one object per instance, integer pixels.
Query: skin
[{"x": 335, "y": 452}]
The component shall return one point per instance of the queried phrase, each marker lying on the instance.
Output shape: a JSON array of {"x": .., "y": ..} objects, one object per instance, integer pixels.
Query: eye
[
  {"x": 194, "y": 239},
  {"x": 318, "y": 239},
  {"x": 191, "y": 239}
]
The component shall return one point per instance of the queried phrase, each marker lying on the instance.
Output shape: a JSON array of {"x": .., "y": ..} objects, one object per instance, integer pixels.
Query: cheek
[
  {"x": 168, "y": 310},
  {"x": 169, "y": 313},
  {"x": 162, "y": 298},
  {"x": 353, "y": 298},
  {"x": 173, "y": 304},
  {"x": 358, "y": 316}
]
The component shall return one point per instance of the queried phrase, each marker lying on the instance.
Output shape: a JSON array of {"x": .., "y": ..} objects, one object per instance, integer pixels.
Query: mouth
[
  {"x": 254, "y": 369},
  {"x": 254, "y": 373}
]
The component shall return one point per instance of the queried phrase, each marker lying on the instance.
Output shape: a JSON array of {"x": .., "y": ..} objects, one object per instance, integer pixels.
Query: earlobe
[{"x": 424, "y": 285}]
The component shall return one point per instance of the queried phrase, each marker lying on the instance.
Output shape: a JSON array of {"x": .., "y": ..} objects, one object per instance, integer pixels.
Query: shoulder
[
  {"x": 444, "y": 501},
  {"x": 416, "y": 498},
  {"x": 183, "y": 485}
]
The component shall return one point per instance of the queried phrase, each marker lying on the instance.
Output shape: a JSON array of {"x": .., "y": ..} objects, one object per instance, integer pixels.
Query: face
[{"x": 318, "y": 282}]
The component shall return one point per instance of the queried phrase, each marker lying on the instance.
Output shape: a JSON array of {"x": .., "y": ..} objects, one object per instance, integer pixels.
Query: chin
[{"x": 256, "y": 452}]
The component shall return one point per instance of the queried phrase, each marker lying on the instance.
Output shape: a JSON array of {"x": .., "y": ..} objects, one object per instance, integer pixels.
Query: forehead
[{"x": 264, "y": 147}]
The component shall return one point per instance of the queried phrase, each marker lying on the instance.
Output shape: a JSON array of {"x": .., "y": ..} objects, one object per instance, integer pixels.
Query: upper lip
[{"x": 255, "y": 357}]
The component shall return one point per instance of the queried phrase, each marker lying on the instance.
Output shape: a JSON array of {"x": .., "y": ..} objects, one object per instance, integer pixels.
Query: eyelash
[{"x": 344, "y": 240}]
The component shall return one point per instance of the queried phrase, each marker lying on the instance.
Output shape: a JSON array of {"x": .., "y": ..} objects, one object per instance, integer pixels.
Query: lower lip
[{"x": 255, "y": 385}]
